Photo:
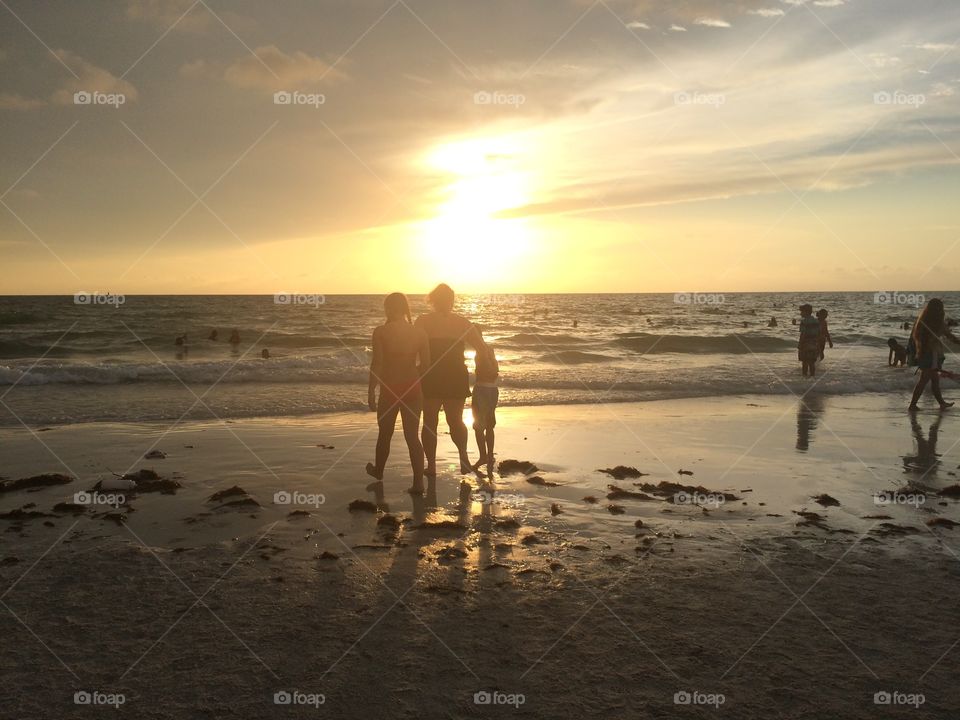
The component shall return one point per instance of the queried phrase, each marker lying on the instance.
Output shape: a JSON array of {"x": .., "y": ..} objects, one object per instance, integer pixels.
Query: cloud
[
  {"x": 711, "y": 22},
  {"x": 269, "y": 68},
  {"x": 636, "y": 24},
  {"x": 11, "y": 101},
  {"x": 167, "y": 13},
  {"x": 677, "y": 28},
  {"x": 766, "y": 12},
  {"x": 829, "y": 3},
  {"x": 89, "y": 78}
]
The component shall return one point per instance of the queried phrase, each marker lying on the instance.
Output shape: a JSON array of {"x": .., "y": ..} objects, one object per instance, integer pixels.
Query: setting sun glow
[{"x": 464, "y": 239}]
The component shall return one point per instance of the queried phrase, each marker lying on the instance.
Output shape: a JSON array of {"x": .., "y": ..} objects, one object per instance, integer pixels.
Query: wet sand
[{"x": 778, "y": 575}]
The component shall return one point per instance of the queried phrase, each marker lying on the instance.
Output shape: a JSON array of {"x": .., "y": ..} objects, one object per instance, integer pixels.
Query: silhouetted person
[
  {"x": 928, "y": 334},
  {"x": 446, "y": 382},
  {"x": 824, "y": 332},
  {"x": 213, "y": 335},
  {"x": 397, "y": 347},
  {"x": 808, "y": 346},
  {"x": 898, "y": 353},
  {"x": 772, "y": 323},
  {"x": 486, "y": 395},
  {"x": 181, "y": 340},
  {"x": 235, "y": 337},
  {"x": 265, "y": 354}
]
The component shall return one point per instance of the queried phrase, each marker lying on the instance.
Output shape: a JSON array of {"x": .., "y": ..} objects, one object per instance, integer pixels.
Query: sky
[{"x": 353, "y": 146}]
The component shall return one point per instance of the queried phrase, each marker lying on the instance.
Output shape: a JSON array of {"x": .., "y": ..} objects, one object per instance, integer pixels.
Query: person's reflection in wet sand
[
  {"x": 378, "y": 497},
  {"x": 926, "y": 460},
  {"x": 808, "y": 413},
  {"x": 424, "y": 504}
]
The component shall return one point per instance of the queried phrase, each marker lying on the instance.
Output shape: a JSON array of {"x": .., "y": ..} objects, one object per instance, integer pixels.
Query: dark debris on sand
[
  {"x": 668, "y": 490},
  {"x": 953, "y": 491},
  {"x": 942, "y": 522},
  {"x": 231, "y": 492},
  {"x": 623, "y": 472},
  {"x": 512, "y": 467},
  {"x": 149, "y": 481},
  {"x": 590, "y": 499},
  {"x": 618, "y": 493},
  {"x": 362, "y": 506},
  {"x": 826, "y": 500},
  {"x": 36, "y": 481},
  {"x": 616, "y": 509},
  {"x": 537, "y": 480}
]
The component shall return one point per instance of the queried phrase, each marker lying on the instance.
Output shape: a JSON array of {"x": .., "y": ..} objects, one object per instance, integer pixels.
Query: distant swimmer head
[
  {"x": 397, "y": 307},
  {"x": 442, "y": 298},
  {"x": 265, "y": 354}
]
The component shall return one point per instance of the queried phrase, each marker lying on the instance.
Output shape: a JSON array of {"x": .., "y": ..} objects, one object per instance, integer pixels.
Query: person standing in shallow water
[
  {"x": 394, "y": 368},
  {"x": 808, "y": 347},
  {"x": 446, "y": 381},
  {"x": 928, "y": 334}
]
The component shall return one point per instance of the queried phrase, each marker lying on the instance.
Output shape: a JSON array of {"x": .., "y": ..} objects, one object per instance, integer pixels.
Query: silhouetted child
[
  {"x": 772, "y": 323},
  {"x": 486, "y": 395},
  {"x": 824, "y": 332},
  {"x": 898, "y": 354},
  {"x": 808, "y": 348}
]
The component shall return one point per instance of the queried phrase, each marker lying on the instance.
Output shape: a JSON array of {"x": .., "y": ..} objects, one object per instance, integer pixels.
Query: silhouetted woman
[
  {"x": 397, "y": 347},
  {"x": 928, "y": 334},
  {"x": 446, "y": 382}
]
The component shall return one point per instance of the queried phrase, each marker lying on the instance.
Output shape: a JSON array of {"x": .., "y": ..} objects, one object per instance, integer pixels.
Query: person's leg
[
  {"x": 919, "y": 388},
  {"x": 481, "y": 445},
  {"x": 431, "y": 420},
  {"x": 935, "y": 388},
  {"x": 453, "y": 409},
  {"x": 387, "y": 409},
  {"x": 489, "y": 451},
  {"x": 410, "y": 417}
]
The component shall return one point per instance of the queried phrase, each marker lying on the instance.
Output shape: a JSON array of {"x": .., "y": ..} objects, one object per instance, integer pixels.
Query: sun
[{"x": 465, "y": 242}]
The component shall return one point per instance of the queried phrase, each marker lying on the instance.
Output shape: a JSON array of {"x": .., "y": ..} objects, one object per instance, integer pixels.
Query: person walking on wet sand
[
  {"x": 397, "y": 347},
  {"x": 927, "y": 341},
  {"x": 446, "y": 382},
  {"x": 808, "y": 348}
]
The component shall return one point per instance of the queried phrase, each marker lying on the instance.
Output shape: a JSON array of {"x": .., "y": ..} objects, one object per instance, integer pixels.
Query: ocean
[{"x": 113, "y": 358}]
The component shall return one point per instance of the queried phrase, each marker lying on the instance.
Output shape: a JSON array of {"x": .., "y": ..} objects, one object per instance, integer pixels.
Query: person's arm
[
  {"x": 826, "y": 329},
  {"x": 474, "y": 338},
  {"x": 890, "y": 357},
  {"x": 376, "y": 367}
]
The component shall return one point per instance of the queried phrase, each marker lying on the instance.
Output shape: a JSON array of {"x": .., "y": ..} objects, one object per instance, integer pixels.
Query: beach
[{"x": 807, "y": 561}]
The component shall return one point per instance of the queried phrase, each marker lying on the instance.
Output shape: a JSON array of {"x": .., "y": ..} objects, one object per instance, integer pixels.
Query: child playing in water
[
  {"x": 824, "y": 331},
  {"x": 808, "y": 348},
  {"x": 898, "y": 354},
  {"x": 486, "y": 394}
]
